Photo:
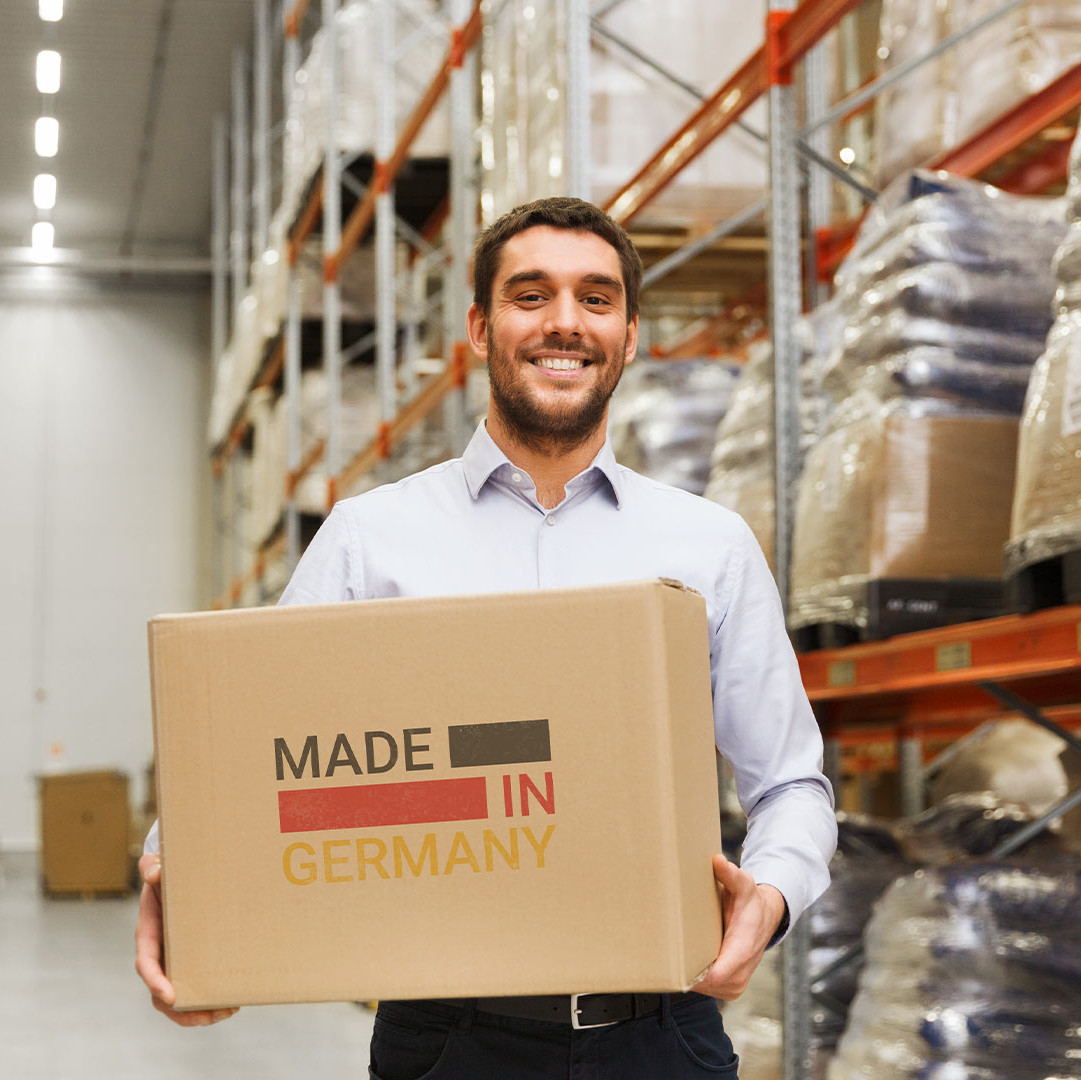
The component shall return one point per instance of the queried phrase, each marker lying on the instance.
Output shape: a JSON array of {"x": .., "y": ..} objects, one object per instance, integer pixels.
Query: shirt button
[
  {"x": 550, "y": 519},
  {"x": 516, "y": 477}
]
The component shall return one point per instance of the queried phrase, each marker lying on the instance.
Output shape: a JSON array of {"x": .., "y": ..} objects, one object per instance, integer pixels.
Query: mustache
[{"x": 558, "y": 347}]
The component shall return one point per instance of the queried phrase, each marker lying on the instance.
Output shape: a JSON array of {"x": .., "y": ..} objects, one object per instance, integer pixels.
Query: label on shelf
[
  {"x": 842, "y": 673},
  {"x": 953, "y": 657}
]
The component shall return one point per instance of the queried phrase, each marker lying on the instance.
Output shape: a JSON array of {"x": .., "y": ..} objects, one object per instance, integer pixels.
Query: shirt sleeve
[
  {"x": 324, "y": 575},
  {"x": 767, "y": 732}
]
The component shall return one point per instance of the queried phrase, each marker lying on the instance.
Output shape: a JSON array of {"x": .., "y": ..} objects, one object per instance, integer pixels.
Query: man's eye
[
  {"x": 530, "y": 298},
  {"x": 596, "y": 301}
]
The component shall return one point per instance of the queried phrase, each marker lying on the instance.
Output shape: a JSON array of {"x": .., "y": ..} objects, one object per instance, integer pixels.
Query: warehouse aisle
[{"x": 71, "y": 1005}]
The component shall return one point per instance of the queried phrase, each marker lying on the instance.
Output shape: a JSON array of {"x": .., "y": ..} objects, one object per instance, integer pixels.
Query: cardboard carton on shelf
[
  {"x": 85, "y": 821},
  {"x": 522, "y": 786}
]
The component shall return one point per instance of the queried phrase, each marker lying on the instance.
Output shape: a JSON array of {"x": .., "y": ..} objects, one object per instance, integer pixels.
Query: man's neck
[{"x": 550, "y": 468}]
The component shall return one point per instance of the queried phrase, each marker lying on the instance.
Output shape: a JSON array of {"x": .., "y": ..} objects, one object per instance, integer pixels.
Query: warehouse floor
[{"x": 71, "y": 1005}]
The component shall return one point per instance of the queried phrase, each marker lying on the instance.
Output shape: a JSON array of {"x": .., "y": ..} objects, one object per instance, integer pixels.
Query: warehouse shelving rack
[{"x": 911, "y": 689}]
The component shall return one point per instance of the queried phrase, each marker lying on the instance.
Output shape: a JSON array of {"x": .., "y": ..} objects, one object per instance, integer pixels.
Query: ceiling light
[
  {"x": 45, "y": 191},
  {"x": 847, "y": 154},
  {"x": 51, "y": 10},
  {"x": 48, "y": 71},
  {"x": 46, "y": 136},
  {"x": 41, "y": 236}
]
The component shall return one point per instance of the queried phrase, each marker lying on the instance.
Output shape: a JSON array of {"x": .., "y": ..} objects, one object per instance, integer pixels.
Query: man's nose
[{"x": 563, "y": 317}]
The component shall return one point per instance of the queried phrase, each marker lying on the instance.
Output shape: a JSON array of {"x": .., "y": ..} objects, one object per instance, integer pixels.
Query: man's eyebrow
[{"x": 525, "y": 276}]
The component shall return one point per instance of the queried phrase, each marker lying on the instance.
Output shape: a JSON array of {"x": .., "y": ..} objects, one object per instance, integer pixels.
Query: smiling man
[{"x": 538, "y": 501}]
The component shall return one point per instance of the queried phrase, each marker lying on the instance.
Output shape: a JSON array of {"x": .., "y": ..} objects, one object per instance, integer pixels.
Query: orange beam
[
  {"x": 408, "y": 417},
  {"x": 790, "y": 40},
  {"x": 293, "y": 18},
  {"x": 1008, "y": 648},
  {"x": 305, "y": 224},
  {"x": 1014, "y": 127},
  {"x": 1042, "y": 171},
  {"x": 307, "y": 462},
  {"x": 704, "y": 337},
  {"x": 462, "y": 39}
]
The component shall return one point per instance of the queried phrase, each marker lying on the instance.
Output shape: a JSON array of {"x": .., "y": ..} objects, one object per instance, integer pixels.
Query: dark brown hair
[{"x": 560, "y": 212}]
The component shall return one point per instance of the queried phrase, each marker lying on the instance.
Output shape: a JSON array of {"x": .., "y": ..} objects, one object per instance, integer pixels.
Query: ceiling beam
[{"x": 82, "y": 263}]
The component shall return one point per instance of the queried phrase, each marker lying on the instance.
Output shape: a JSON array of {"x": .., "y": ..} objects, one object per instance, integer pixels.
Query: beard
[{"x": 546, "y": 426}]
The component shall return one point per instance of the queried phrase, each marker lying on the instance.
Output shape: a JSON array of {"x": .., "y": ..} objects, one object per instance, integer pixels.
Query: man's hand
[
  {"x": 149, "y": 945},
  {"x": 752, "y": 914}
]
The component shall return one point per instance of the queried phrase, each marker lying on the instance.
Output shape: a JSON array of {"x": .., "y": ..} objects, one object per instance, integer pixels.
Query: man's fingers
[
  {"x": 730, "y": 876},
  {"x": 195, "y": 1018},
  {"x": 150, "y": 868},
  {"x": 148, "y": 951}
]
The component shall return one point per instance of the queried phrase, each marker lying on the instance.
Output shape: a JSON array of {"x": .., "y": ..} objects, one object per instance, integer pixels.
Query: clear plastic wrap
[
  {"x": 632, "y": 110},
  {"x": 911, "y": 115},
  {"x": 1016, "y": 55},
  {"x": 1046, "y": 519},
  {"x": 907, "y": 490},
  {"x": 663, "y": 418},
  {"x": 358, "y": 38},
  {"x": 972, "y": 972}
]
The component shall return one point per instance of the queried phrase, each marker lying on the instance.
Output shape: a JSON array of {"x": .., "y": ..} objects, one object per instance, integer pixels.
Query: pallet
[
  {"x": 1048, "y": 583},
  {"x": 906, "y": 605}
]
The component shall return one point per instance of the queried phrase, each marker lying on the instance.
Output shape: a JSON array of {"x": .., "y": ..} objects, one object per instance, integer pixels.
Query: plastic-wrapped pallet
[
  {"x": 741, "y": 475},
  {"x": 663, "y": 418},
  {"x": 940, "y": 312},
  {"x": 947, "y": 99},
  {"x": 632, "y": 111},
  {"x": 1046, "y": 520},
  {"x": 972, "y": 972},
  {"x": 1013, "y": 57},
  {"x": 358, "y": 58}
]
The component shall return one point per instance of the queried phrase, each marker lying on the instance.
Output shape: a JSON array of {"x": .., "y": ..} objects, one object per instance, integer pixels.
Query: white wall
[{"x": 104, "y": 492}]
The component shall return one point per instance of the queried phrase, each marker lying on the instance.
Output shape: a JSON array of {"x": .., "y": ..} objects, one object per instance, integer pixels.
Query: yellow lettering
[
  {"x": 375, "y": 860},
  {"x": 467, "y": 857},
  {"x": 539, "y": 847},
  {"x": 492, "y": 844},
  {"x": 427, "y": 851},
  {"x": 330, "y": 861},
  {"x": 307, "y": 868}
]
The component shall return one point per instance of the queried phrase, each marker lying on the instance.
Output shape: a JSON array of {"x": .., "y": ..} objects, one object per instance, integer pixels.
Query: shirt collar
[{"x": 482, "y": 458}]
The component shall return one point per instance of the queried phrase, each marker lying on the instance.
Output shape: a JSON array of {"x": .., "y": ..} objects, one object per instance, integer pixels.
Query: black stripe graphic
[{"x": 508, "y": 743}]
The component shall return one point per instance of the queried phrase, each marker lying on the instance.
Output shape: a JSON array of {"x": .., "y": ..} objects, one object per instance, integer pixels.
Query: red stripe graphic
[{"x": 367, "y": 805}]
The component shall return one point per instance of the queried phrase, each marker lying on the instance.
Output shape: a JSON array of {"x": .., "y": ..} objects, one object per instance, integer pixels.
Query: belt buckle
[{"x": 575, "y": 1011}]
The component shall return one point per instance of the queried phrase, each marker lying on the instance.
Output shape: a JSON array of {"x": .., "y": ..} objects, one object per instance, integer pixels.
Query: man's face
[{"x": 556, "y": 336}]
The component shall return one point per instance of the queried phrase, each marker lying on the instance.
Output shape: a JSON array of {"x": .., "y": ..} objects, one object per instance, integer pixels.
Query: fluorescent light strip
[
  {"x": 46, "y": 136},
  {"x": 41, "y": 236},
  {"x": 51, "y": 10},
  {"x": 48, "y": 71},
  {"x": 45, "y": 191}
]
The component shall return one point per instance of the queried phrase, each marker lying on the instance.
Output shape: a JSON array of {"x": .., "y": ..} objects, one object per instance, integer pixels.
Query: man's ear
[
  {"x": 631, "y": 350},
  {"x": 476, "y": 323}
]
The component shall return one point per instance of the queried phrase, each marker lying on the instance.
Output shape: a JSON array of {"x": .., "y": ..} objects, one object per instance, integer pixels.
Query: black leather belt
[{"x": 578, "y": 1010}]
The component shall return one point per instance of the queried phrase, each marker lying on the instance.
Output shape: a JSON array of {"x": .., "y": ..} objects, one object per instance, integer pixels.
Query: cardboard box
[
  {"x": 461, "y": 796},
  {"x": 84, "y": 832}
]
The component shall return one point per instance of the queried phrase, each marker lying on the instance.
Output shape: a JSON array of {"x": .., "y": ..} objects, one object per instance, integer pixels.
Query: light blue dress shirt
[{"x": 474, "y": 525}]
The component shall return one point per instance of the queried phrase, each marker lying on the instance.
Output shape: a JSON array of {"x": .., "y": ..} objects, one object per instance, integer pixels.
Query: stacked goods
[
  {"x": 950, "y": 97},
  {"x": 1045, "y": 528},
  {"x": 358, "y": 39},
  {"x": 664, "y": 415},
  {"x": 866, "y": 864},
  {"x": 941, "y": 310},
  {"x": 972, "y": 971},
  {"x": 633, "y": 110},
  {"x": 741, "y": 475}
]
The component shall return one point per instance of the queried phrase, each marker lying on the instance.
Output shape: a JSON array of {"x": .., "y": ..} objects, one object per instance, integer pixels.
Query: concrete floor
[{"x": 72, "y": 1007}]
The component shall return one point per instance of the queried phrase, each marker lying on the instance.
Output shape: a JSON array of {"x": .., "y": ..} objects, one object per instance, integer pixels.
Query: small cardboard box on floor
[{"x": 450, "y": 797}]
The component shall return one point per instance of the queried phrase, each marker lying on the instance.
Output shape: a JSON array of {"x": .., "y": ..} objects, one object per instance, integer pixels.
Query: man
[{"x": 537, "y": 501}]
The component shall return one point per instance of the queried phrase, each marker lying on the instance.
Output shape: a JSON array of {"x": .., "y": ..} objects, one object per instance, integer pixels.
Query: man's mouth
[{"x": 559, "y": 363}]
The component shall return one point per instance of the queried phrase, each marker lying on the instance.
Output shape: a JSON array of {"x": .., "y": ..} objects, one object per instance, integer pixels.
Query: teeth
[{"x": 560, "y": 363}]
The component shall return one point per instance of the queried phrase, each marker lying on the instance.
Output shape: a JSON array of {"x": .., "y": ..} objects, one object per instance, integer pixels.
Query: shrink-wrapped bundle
[
  {"x": 741, "y": 473},
  {"x": 940, "y": 312},
  {"x": 972, "y": 971},
  {"x": 945, "y": 100},
  {"x": 525, "y": 98},
  {"x": 1045, "y": 526},
  {"x": 664, "y": 415},
  {"x": 358, "y": 36}
]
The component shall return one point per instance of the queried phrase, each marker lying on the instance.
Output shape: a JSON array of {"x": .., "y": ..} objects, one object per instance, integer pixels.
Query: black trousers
[{"x": 427, "y": 1040}]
